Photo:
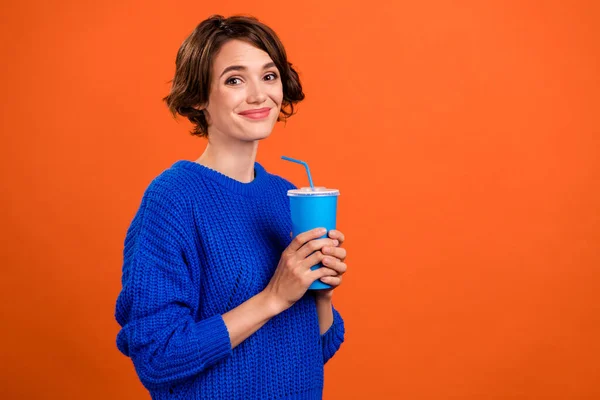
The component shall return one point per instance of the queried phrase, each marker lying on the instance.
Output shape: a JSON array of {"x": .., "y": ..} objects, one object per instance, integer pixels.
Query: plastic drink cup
[{"x": 313, "y": 208}]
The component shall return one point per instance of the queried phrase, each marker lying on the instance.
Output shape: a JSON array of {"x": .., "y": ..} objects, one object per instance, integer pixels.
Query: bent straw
[{"x": 305, "y": 166}]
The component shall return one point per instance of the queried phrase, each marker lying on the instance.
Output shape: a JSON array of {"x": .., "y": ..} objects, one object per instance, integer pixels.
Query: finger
[
  {"x": 320, "y": 273},
  {"x": 335, "y": 234},
  {"x": 312, "y": 260},
  {"x": 304, "y": 237},
  {"x": 335, "y": 264},
  {"x": 337, "y": 252},
  {"x": 314, "y": 245},
  {"x": 334, "y": 281}
]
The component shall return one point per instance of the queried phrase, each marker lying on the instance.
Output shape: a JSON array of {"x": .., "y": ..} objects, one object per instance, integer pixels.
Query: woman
[{"x": 214, "y": 303}]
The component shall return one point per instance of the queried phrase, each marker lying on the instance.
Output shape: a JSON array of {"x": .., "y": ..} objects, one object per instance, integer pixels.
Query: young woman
[{"x": 214, "y": 303}]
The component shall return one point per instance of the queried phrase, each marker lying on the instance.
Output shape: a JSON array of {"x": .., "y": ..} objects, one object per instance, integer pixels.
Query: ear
[
  {"x": 200, "y": 107},
  {"x": 205, "y": 112}
]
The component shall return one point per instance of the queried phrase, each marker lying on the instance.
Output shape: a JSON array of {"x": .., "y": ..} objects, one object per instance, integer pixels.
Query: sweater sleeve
[
  {"x": 159, "y": 300},
  {"x": 334, "y": 337}
]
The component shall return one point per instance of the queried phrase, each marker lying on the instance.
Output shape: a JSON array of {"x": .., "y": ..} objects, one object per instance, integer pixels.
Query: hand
[
  {"x": 293, "y": 275},
  {"x": 335, "y": 257}
]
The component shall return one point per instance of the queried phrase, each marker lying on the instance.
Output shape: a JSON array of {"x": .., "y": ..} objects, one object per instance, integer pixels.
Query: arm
[
  {"x": 332, "y": 328},
  {"x": 331, "y": 323},
  {"x": 249, "y": 317},
  {"x": 157, "y": 305},
  {"x": 325, "y": 314}
]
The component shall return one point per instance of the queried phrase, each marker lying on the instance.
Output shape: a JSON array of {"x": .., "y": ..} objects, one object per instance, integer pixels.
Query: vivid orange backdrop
[{"x": 463, "y": 136}]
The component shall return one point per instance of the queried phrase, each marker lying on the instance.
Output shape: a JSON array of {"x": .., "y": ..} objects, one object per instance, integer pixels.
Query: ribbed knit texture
[{"x": 201, "y": 244}]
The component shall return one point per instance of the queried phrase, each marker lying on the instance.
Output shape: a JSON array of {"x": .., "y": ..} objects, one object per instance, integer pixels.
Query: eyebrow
[{"x": 243, "y": 68}]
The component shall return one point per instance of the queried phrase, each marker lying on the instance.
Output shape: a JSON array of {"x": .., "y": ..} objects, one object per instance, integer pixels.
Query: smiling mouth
[{"x": 258, "y": 114}]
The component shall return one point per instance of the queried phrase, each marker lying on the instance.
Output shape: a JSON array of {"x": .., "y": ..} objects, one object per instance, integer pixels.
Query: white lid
[{"x": 318, "y": 191}]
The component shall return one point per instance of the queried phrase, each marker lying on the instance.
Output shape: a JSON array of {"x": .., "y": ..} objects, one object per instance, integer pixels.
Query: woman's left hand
[{"x": 334, "y": 259}]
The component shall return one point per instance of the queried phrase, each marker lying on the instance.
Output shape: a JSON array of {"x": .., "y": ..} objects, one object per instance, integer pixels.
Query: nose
[{"x": 256, "y": 93}]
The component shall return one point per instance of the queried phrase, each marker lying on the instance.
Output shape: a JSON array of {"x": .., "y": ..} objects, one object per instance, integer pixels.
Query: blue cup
[{"x": 312, "y": 209}]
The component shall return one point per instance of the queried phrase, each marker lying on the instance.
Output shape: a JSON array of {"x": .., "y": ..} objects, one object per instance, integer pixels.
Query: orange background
[{"x": 463, "y": 136}]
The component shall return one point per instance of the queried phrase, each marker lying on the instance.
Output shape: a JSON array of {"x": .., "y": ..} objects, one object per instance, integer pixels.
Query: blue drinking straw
[{"x": 305, "y": 166}]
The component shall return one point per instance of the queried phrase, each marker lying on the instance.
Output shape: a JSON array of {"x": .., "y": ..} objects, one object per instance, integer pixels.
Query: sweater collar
[{"x": 257, "y": 186}]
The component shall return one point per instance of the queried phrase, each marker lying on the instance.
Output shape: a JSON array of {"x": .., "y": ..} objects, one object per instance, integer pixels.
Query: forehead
[{"x": 238, "y": 52}]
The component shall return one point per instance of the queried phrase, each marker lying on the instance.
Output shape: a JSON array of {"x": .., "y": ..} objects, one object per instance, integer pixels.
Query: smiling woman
[
  {"x": 248, "y": 90},
  {"x": 214, "y": 303},
  {"x": 204, "y": 65}
]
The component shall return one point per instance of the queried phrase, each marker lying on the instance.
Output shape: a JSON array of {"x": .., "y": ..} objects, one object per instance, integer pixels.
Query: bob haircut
[{"x": 193, "y": 66}]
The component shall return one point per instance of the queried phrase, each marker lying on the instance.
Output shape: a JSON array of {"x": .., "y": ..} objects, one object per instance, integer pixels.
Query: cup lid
[{"x": 318, "y": 191}]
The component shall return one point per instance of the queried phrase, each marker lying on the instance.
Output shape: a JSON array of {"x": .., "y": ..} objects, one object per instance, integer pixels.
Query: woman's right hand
[{"x": 293, "y": 275}]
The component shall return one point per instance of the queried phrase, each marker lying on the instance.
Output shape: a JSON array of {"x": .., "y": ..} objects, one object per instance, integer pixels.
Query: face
[{"x": 245, "y": 94}]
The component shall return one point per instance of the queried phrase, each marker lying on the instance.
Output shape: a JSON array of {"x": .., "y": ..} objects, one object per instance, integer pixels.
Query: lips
[{"x": 258, "y": 113}]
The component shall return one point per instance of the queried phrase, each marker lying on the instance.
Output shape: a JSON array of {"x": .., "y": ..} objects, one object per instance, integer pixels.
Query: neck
[{"x": 234, "y": 159}]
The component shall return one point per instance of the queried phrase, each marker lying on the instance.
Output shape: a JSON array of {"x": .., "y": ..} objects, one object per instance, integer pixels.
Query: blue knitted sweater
[{"x": 200, "y": 244}]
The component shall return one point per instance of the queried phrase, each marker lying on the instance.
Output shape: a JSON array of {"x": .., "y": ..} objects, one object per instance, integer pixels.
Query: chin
[{"x": 258, "y": 134}]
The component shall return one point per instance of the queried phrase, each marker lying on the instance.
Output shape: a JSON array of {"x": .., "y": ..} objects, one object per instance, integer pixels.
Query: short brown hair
[{"x": 193, "y": 66}]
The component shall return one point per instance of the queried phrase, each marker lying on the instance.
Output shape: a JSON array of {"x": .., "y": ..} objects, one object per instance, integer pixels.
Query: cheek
[
  {"x": 226, "y": 100},
  {"x": 277, "y": 94}
]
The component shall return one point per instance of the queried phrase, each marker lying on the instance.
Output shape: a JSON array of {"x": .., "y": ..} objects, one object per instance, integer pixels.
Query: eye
[
  {"x": 230, "y": 81},
  {"x": 272, "y": 75}
]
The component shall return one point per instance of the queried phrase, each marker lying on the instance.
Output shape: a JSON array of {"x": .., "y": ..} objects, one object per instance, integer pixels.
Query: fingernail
[
  {"x": 322, "y": 230},
  {"x": 335, "y": 242}
]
